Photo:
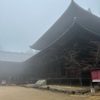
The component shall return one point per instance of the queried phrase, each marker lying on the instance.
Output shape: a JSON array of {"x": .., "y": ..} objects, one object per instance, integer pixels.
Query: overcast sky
[{"x": 22, "y": 22}]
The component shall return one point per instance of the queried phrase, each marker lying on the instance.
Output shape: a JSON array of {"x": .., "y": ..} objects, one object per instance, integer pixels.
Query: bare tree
[
  {"x": 91, "y": 59},
  {"x": 97, "y": 53}
]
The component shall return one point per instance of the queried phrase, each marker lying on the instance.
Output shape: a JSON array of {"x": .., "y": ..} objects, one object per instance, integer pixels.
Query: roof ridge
[
  {"x": 88, "y": 29},
  {"x": 73, "y": 2}
]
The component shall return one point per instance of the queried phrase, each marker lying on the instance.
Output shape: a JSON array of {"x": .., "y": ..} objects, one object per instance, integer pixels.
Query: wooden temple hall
[{"x": 69, "y": 50}]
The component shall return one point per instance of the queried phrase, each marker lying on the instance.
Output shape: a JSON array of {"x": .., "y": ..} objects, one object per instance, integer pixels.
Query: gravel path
[{"x": 21, "y": 93}]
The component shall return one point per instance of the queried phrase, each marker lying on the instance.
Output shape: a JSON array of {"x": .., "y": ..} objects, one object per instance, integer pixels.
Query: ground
[
  {"x": 69, "y": 88},
  {"x": 21, "y": 93}
]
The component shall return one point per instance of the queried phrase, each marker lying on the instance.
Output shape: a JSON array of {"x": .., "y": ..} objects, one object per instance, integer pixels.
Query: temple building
[
  {"x": 70, "y": 49},
  {"x": 11, "y": 66}
]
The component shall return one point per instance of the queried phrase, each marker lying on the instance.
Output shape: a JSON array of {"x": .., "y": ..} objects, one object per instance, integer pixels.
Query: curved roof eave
[
  {"x": 85, "y": 18},
  {"x": 74, "y": 30},
  {"x": 40, "y": 43},
  {"x": 42, "y": 51}
]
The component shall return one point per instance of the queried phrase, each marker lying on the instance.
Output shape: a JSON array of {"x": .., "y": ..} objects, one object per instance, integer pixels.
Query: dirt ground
[
  {"x": 21, "y": 93},
  {"x": 69, "y": 88}
]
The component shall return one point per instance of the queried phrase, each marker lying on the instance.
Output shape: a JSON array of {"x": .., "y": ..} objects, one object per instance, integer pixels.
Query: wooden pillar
[
  {"x": 81, "y": 82},
  {"x": 80, "y": 79}
]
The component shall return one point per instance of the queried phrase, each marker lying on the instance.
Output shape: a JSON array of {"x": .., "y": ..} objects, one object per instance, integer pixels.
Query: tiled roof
[
  {"x": 14, "y": 56},
  {"x": 83, "y": 17}
]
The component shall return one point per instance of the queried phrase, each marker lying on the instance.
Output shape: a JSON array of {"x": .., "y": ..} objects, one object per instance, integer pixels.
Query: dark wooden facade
[{"x": 69, "y": 49}]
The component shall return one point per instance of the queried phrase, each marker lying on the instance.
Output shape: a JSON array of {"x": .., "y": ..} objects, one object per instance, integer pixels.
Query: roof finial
[
  {"x": 89, "y": 10},
  {"x": 72, "y": 0},
  {"x": 75, "y": 19}
]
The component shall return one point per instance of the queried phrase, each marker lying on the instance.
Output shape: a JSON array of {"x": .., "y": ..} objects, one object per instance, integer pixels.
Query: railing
[{"x": 70, "y": 81}]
